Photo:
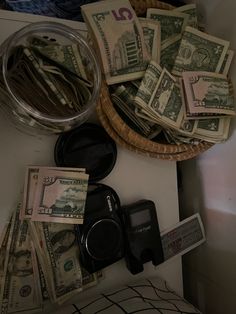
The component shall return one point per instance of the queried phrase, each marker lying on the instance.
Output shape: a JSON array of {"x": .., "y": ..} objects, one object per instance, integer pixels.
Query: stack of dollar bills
[
  {"x": 164, "y": 74},
  {"x": 40, "y": 260},
  {"x": 50, "y": 78}
]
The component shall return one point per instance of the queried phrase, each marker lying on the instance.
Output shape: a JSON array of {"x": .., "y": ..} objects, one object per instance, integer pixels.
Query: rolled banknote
[
  {"x": 69, "y": 56},
  {"x": 119, "y": 37},
  {"x": 187, "y": 127}
]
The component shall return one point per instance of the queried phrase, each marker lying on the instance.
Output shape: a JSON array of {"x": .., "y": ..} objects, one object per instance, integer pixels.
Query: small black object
[
  {"x": 88, "y": 146},
  {"x": 143, "y": 240},
  {"x": 100, "y": 238}
]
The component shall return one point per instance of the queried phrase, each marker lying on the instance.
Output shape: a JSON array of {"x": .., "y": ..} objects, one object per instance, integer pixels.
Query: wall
[{"x": 209, "y": 186}]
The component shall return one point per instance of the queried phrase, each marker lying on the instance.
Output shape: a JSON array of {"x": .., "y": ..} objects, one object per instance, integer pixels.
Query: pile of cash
[
  {"x": 164, "y": 74},
  {"x": 50, "y": 78},
  {"x": 40, "y": 260}
]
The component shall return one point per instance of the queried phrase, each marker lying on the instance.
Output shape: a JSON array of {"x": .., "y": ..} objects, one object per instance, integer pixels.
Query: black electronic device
[
  {"x": 143, "y": 241},
  {"x": 100, "y": 238}
]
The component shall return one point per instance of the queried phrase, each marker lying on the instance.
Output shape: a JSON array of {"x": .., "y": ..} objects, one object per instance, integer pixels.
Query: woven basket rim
[
  {"x": 180, "y": 156},
  {"x": 138, "y": 140}
]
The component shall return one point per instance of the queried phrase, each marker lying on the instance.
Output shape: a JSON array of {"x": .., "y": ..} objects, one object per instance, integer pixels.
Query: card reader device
[{"x": 143, "y": 240}]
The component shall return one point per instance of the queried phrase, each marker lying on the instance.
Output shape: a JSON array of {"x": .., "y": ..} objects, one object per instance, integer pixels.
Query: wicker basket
[{"x": 127, "y": 137}]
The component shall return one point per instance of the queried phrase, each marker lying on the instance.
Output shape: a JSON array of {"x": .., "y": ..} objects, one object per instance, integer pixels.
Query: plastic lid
[{"x": 88, "y": 146}]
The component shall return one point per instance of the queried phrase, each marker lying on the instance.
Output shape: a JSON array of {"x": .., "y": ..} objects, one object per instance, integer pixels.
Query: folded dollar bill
[
  {"x": 118, "y": 35},
  {"x": 166, "y": 103},
  {"x": 152, "y": 37},
  {"x": 207, "y": 93},
  {"x": 58, "y": 254},
  {"x": 227, "y": 62},
  {"x": 20, "y": 284},
  {"x": 191, "y": 10},
  {"x": 199, "y": 51},
  {"x": 172, "y": 22},
  {"x": 214, "y": 130}
]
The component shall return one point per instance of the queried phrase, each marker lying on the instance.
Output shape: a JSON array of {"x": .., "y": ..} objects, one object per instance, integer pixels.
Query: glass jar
[{"x": 22, "y": 111}]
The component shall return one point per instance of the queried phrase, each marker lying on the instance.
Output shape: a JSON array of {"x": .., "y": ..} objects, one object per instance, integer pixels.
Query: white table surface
[{"x": 134, "y": 177}]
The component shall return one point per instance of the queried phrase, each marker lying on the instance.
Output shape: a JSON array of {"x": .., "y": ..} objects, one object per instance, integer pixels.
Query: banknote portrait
[
  {"x": 20, "y": 263},
  {"x": 62, "y": 241}
]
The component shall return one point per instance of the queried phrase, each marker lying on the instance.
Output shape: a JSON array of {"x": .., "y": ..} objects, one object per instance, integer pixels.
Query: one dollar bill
[
  {"x": 172, "y": 22},
  {"x": 199, "y": 52},
  {"x": 152, "y": 37},
  {"x": 191, "y": 10},
  {"x": 58, "y": 253},
  {"x": 148, "y": 84}
]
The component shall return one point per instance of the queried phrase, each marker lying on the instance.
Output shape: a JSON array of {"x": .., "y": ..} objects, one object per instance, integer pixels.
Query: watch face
[{"x": 104, "y": 239}]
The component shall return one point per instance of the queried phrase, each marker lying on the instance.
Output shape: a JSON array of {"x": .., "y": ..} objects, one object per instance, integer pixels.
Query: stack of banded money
[
  {"x": 40, "y": 259},
  {"x": 181, "y": 89}
]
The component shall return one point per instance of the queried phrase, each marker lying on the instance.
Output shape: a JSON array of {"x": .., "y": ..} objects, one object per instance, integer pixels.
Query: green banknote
[
  {"x": 125, "y": 102},
  {"x": 88, "y": 280},
  {"x": 188, "y": 127},
  {"x": 215, "y": 130},
  {"x": 148, "y": 84},
  {"x": 172, "y": 23},
  {"x": 169, "y": 51},
  {"x": 173, "y": 113},
  {"x": 20, "y": 285},
  {"x": 227, "y": 62},
  {"x": 152, "y": 37},
  {"x": 191, "y": 10},
  {"x": 166, "y": 102},
  {"x": 58, "y": 254},
  {"x": 69, "y": 56},
  {"x": 199, "y": 52},
  {"x": 47, "y": 79}
]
